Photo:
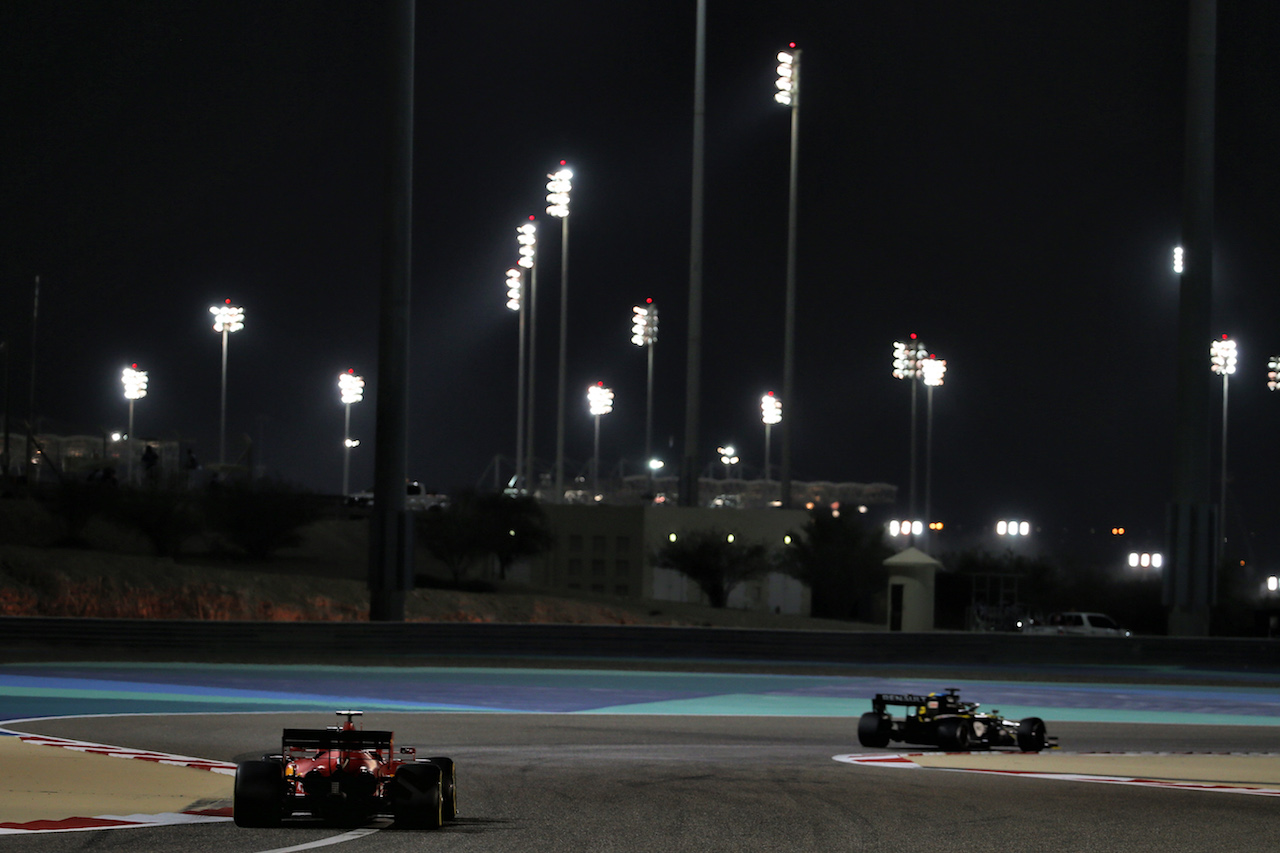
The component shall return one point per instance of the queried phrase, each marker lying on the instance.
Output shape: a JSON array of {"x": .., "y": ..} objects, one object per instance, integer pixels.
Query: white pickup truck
[{"x": 1072, "y": 622}]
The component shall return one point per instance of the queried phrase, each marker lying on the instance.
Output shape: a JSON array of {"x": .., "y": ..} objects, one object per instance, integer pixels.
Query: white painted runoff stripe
[
  {"x": 381, "y": 823},
  {"x": 222, "y": 767},
  {"x": 904, "y": 761}
]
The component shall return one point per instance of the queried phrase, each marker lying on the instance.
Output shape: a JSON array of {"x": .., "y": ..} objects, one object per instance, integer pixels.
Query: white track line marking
[{"x": 903, "y": 761}]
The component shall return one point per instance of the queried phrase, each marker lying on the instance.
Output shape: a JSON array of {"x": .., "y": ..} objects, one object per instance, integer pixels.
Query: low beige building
[{"x": 610, "y": 550}]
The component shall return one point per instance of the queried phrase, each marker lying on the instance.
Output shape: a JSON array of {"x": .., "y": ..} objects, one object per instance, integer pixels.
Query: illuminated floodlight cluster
[
  {"x": 770, "y": 409},
  {"x": 1273, "y": 583},
  {"x": 599, "y": 399},
  {"x": 1222, "y": 356},
  {"x": 1013, "y": 528},
  {"x": 527, "y": 237},
  {"x": 908, "y": 358},
  {"x": 728, "y": 456},
  {"x": 515, "y": 287},
  {"x": 227, "y": 318},
  {"x": 351, "y": 387},
  {"x": 1273, "y": 372},
  {"x": 558, "y": 186},
  {"x": 135, "y": 383},
  {"x": 644, "y": 324},
  {"x": 788, "y": 82},
  {"x": 906, "y": 528},
  {"x": 1177, "y": 260},
  {"x": 1145, "y": 560},
  {"x": 932, "y": 370}
]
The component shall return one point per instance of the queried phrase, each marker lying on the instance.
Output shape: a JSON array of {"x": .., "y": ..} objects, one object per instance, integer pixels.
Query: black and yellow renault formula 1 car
[{"x": 944, "y": 721}]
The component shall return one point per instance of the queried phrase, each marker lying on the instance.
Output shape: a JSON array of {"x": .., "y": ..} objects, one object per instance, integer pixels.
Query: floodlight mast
[
  {"x": 932, "y": 370},
  {"x": 788, "y": 95},
  {"x": 599, "y": 403},
  {"x": 559, "y": 185},
  {"x": 907, "y": 358},
  {"x": 527, "y": 235},
  {"x": 1222, "y": 361},
  {"x": 351, "y": 390},
  {"x": 227, "y": 318},
  {"x": 644, "y": 333},
  {"x": 770, "y": 414},
  {"x": 135, "y": 388}
]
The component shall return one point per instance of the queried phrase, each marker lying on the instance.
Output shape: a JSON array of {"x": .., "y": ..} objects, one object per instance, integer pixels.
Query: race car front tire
[
  {"x": 415, "y": 796},
  {"x": 953, "y": 735},
  {"x": 873, "y": 729},
  {"x": 448, "y": 787},
  {"x": 259, "y": 793},
  {"x": 1031, "y": 735}
]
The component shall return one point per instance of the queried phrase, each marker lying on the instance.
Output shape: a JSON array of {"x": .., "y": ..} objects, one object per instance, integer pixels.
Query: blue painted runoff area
[{"x": 59, "y": 689}]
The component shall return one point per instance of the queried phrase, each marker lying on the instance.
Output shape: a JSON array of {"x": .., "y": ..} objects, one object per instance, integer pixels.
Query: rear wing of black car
[{"x": 935, "y": 703}]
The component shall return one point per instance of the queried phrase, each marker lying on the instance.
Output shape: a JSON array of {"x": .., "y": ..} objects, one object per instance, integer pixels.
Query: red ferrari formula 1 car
[{"x": 342, "y": 774}]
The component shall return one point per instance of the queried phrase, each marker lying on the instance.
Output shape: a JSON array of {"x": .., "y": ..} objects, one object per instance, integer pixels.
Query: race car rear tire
[
  {"x": 873, "y": 729},
  {"x": 1031, "y": 735},
  {"x": 953, "y": 735},
  {"x": 415, "y": 796},
  {"x": 259, "y": 793},
  {"x": 448, "y": 787}
]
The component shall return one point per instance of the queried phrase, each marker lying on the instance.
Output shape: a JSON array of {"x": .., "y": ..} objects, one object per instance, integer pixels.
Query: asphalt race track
[{"x": 630, "y": 761}]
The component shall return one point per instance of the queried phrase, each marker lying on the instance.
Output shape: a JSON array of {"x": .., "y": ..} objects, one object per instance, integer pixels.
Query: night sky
[{"x": 1003, "y": 179}]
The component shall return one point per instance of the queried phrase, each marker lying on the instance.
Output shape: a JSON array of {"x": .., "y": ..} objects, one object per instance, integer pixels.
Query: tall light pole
[
  {"x": 351, "y": 387},
  {"x": 770, "y": 414},
  {"x": 932, "y": 370},
  {"x": 689, "y": 490},
  {"x": 599, "y": 402},
  {"x": 515, "y": 302},
  {"x": 135, "y": 388},
  {"x": 1222, "y": 360},
  {"x": 527, "y": 237},
  {"x": 644, "y": 333},
  {"x": 789, "y": 95},
  {"x": 558, "y": 187},
  {"x": 227, "y": 318},
  {"x": 907, "y": 357}
]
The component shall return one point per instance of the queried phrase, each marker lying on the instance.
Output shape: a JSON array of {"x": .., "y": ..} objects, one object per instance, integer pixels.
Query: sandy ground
[{"x": 78, "y": 784}]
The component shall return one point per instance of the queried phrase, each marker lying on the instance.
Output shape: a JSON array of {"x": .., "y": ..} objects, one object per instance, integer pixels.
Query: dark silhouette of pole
[
  {"x": 391, "y": 531},
  {"x": 31, "y": 391},
  {"x": 1190, "y": 573},
  {"x": 530, "y": 483},
  {"x": 693, "y": 359}
]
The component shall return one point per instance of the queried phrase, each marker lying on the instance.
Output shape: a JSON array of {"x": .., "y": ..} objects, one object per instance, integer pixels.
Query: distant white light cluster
[
  {"x": 1222, "y": 356},
  {"x": 515, "y": 287},
  {"x": 527, "y": 237},
  {"x": 599, "y": 399},
  {"x": 1013, "y": 528},
  {"x": 135, "y": 383},
  {"x": 1146, "y": 560},
  {"x": 788, "y": 77},
  {"x": 908, "y": 357},
  {"x": 906, "y": 528},
  {"x": 351, "y": 387},
  {"x": 644, "y": 324},
  {"x": 227, "y": 317},
  {"x": 932, "y": 370},
  {"x": 770, "y": 409},
  {"x": 558, "y": 187}
]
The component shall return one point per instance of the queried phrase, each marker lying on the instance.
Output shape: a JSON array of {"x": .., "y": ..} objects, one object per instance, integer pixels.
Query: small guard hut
[{"x": 911, "y": 586}]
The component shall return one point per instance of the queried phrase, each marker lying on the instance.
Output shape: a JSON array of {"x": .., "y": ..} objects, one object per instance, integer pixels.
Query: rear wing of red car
[{"x": 321, "y": 740}]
